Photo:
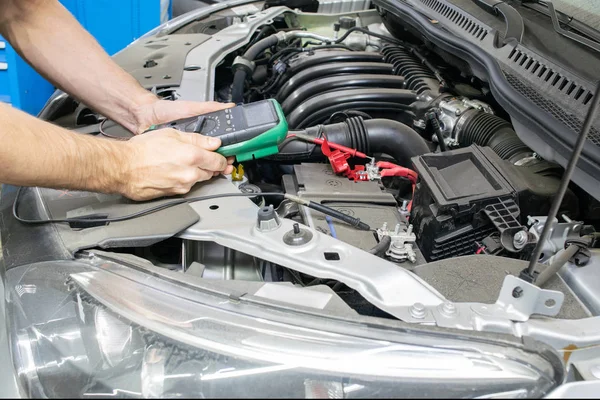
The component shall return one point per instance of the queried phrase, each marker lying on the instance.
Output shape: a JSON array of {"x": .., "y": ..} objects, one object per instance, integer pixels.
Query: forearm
[
  {"x": 48, "y": 36},
  {"x": 37, "y": 153}
]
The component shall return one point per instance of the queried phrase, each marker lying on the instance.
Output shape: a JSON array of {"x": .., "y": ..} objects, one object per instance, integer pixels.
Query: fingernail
[{"x": 214, "y": 141}]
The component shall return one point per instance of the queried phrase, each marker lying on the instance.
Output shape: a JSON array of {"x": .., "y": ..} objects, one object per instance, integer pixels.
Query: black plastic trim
[{"x": 514, "y": 22}]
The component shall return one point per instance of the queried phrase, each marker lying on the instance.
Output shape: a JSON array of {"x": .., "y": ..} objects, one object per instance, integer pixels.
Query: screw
[
  {"x": 296, "y": 228},
  {"x": 517, "y": 292},
  {"x": 457, "y": 112},
  {"x": 448, "y": 308},
  {"x": 520, "y": 240},
  {"x": 409, "y": 229},
  {"x": 404, "y": 205},
  {"x": 418, "y": 311},
  {"x": 384, "y": 226},
  {"x": 567, "y": 219},
  {"x": 397, "y": 229}
]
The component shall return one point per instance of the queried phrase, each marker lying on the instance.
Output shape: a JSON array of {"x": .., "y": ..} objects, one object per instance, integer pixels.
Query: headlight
[{"x": 118, "y": 331}]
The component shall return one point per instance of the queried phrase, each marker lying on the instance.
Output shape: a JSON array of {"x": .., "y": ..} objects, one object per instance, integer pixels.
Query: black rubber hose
[
  {"x": 490, "y": 130},
  {"x": 260, "y": 46},
  {"x": 372, "y": 136},
  {"x": 239, "y": 78},
  {"x": 432, "y": 118},
  {"x": 306, "y": 112},
  {"x": 263, "y": 31},
  {"x": 330, "y": 83},
  {"x": 321, "y": 71},
  {"x": 380, "y": 248},
  {"x": 237, "y": 88}
]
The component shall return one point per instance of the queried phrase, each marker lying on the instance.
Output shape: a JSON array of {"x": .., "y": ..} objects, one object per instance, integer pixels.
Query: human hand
[
  {"x": 154, "y": 112},
  {"x": 169, "y": 162}
]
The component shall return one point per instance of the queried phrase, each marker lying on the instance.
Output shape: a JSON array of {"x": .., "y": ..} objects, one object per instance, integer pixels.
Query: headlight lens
[{"x": 117, "y": 331}]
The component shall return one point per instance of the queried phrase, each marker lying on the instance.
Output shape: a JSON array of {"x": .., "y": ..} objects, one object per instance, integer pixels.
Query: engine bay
[{"x": 383, "y": 128}]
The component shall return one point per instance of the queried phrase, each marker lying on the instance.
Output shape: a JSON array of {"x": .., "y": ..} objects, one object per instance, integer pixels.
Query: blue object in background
[{"x": 114, "y": 23}]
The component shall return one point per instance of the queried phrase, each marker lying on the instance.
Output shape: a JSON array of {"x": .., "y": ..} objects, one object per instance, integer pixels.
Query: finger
[
  {"x": 203, "y": 175},
  {"x": 189, "y": 178},
  {"x": 228, "y": 170},
  {"x": 230, "y": 160},
  {"x": 205, "y": 142},
  {"x": 210, "y": 161}
]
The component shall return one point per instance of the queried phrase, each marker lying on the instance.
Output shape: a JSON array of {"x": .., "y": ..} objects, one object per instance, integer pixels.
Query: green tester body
[{"x": 248, "y": 131}]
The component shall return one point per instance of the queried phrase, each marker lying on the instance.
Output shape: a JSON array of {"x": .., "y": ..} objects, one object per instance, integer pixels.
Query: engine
[
  {"x": 383, "y": 128},
  {"x": 404, "y": 110}
]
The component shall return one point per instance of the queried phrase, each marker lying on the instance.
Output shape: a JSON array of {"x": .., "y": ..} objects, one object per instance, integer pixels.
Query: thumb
[{"x": 205, "y": 142}]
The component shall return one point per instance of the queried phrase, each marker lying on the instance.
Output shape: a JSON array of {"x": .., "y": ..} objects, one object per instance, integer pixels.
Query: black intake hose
[
  {"x": 321, "y": 71},
  {"x": 483, "y": 129},
  {"x": 321, "y": 106},
  {"x": 371, "y": 136},
  {"x": 331, "y": 83}
]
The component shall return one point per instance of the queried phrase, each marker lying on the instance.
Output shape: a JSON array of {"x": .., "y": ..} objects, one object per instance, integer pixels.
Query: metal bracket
[
  {"x": 519, "y": 300},
  {"x": 232, "y": 223},
  {"x": 561, "y": 232}
]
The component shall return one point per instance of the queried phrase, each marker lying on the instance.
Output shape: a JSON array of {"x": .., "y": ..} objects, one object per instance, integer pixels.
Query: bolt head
[
  {"x": 418, "y": 311},
  {"x": 448, "y": 308},
  {"x": 517, "y": 292},
  {"x": 520, "y": 239}
]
